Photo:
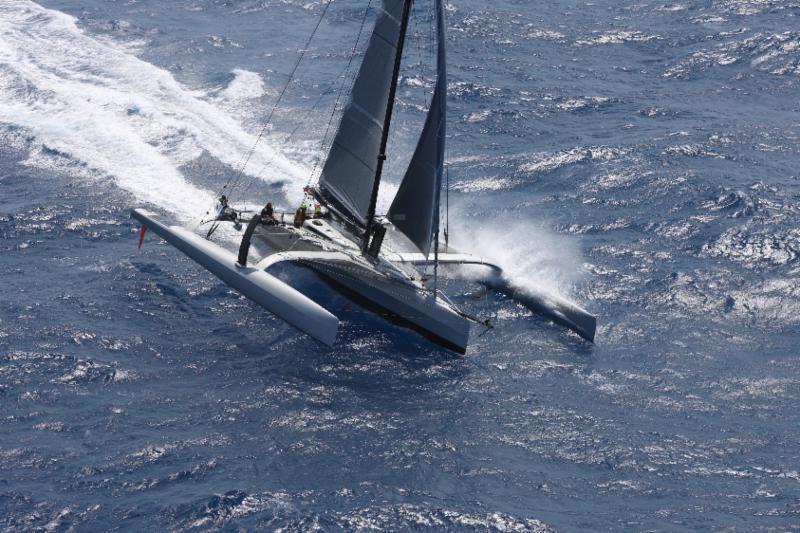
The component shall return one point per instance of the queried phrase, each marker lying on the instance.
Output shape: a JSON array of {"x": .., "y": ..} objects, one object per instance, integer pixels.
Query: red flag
[{"x": 141, "y": 236}]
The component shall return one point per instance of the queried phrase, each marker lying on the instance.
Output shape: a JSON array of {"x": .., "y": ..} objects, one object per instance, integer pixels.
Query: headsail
[
  {"x": 349, "y": 173},
  {"x": 415, "y": 209}
]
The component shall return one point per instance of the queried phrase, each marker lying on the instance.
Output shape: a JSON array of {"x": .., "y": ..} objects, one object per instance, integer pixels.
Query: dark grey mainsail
[
  {"x": 415, "y": 209},
  {"x": 348, "y": 176}
]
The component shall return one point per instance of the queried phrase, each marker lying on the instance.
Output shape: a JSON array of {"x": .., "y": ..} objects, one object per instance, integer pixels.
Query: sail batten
[
  {"x": 348, "y": 176},
  {"x": 415, "y": 209}
]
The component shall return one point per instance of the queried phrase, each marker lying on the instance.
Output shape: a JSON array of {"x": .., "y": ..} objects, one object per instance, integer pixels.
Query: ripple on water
[
  {"x": 774, "y": 302},
  {"x": 582, "y": 103},
  {"x": 411, "y": 517},
  {"x": 488, "y": 183},
  {"x": 222, "y": 509},
  {"x": 548, "y": 162},
  {"x": 65, "y": 369},
  {"x": 615, "y": 37},
  {"x": 773, "y": 53},
  {"x": 752, "y": 247},
  {"x": 752, "y": 7},
  {"x": 286, "y": 510}
]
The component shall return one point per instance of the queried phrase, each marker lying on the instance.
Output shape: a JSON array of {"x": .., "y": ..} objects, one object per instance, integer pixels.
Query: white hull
[
  {"x": 435, "y": 317},
  {"x": 266, "y": 290}
]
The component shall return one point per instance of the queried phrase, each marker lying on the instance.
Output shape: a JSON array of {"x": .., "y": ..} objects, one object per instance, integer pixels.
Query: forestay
[
  {"x": 415, "y": 209},
  {"x": 349, "y": 173}
]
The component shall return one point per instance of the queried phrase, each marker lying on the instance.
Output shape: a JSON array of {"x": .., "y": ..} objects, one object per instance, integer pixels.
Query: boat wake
[{"x": 93, "y": 101}]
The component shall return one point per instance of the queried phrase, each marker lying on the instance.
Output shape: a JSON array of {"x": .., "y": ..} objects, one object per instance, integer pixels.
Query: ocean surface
[{"x": 640, "y": 158}]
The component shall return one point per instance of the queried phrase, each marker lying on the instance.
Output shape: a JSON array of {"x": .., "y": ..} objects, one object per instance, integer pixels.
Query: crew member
[
  {"x": 220, "y": 209},
  {"x": 225, "y": 212},
  {"x": 317, "y": 210},
  {"x": 300, "y": 214},
  {"x": 267, "y": 216}
]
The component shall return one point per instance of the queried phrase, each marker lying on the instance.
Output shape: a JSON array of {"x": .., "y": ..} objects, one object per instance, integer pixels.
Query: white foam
[
  {"x": 530, "y": 255},
  {"x": 122, "y": 117},
  {"x": 246, "y": 85},
  {"x": 546, "y": 162},
  {"x": 616, "y": 37}
]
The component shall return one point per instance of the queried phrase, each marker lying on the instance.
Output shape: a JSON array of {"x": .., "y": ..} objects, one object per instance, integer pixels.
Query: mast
[
  {"x": 447, "y": 210},
  {"x": 386, "y": 123},
  {"x": 436, "y": 254}
]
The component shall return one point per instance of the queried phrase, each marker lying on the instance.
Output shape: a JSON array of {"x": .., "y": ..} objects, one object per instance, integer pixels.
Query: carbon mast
[{"x": 369, "y": 230}]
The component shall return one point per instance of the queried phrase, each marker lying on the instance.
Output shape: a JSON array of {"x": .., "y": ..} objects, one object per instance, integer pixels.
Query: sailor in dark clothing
[{"x": 267, "y": 214}]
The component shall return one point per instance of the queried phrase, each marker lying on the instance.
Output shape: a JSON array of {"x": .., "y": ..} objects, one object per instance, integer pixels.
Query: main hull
[{"x": 435, "y": 318}]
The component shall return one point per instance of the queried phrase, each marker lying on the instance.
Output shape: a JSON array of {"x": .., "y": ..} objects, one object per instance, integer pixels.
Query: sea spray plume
[
  {"x": 540, "y": 269},
  {"x": 530, "y": 254}
]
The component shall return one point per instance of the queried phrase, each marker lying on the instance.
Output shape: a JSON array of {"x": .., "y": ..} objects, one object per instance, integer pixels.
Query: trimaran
[{"x": 346, "y": 245}]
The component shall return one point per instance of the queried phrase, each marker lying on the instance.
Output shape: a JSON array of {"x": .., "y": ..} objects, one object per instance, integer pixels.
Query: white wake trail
[{"x": 120, "y": 116}]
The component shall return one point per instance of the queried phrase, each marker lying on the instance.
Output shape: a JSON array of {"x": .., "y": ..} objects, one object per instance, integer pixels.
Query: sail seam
[
  {"x": 365, "y": 113},
  {"x": 392, "y": 17},
  {"x": 387, "y": 41},
  {"x": 357, "y": 158}
]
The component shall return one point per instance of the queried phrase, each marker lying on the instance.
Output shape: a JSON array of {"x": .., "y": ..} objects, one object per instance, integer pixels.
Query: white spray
[{"x": 540, "y": 268}]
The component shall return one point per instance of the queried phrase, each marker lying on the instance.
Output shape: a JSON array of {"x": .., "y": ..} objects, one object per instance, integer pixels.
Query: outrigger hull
[{"x": 264, "y": 289}]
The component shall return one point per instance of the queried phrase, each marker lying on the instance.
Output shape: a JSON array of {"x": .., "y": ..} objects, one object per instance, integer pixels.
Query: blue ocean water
[{"x": 641, "y": 158}]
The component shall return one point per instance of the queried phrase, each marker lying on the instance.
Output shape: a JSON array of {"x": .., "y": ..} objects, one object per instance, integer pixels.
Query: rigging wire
[{"x": 233, "y": 182}]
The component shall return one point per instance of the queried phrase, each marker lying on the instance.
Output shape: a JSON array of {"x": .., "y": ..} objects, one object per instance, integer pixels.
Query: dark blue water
[{"x": 641, "y": 158}]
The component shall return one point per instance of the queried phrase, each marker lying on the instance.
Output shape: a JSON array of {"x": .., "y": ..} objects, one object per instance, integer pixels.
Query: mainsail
[
  {"x": 415, "y": 209},
  {"x": 348, "y": 176}
]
